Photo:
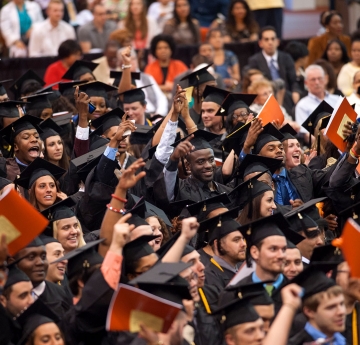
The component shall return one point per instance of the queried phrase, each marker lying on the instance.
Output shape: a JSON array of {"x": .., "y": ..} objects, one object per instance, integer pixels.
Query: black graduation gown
[
  {"x": 300, "y": 338},
  {"x": 348, "y": 333},
  {"x": 9, "y": 333},
  {"x": 204, "y": 257}
]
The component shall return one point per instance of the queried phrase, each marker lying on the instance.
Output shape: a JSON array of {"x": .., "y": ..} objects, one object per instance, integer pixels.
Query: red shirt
[{"x": 54, "y": 72}]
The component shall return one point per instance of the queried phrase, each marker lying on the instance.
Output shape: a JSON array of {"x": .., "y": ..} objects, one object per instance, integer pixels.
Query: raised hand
[
  {"x": 183, "y": 149},
  {"x": 180, "y": 102},
  {"x": 126, "y": 55},
  {"x": 121, "y": 234},
  {"x": 254, "y": 131},
  {"x": 291, "y": 296},
  {"x": 128, "y": 179},
  {"x": 82, "y": 106},
  {"x": 189, "y": 228}
]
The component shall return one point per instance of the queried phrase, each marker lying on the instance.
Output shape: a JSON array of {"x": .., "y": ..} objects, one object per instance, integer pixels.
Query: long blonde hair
[
  {"x": 81, "y": 237},
  {"x": 130, "y": 23},
  {"x": 323, "y": 140}
]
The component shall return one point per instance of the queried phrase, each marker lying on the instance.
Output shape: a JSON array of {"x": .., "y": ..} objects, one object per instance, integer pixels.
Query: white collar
[
  {"x": 305, "y": 260},
  {"x": 39, "y": 289},
  {"x": 268, "y": 58}
]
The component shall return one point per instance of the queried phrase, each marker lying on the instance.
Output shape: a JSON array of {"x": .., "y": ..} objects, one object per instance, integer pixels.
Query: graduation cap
[
  {"x": 163, "y": 280},
  {"x": 138, "y": 248},
  {"x": 38, "y": 101},
  {"x": 22, "y": 124},
  {"x": 236, "y": 312},
  {"x": 49, "y": 128},
  {"x": 235, "y": 101},
  {"x": 288, "y": 132},
  {"x": 134, "y": 95},
  {"x": 67, "y": 87},
  {"x": 28, "y": 78},
  {"x": 327, "y": 253},
  {"x": 137, "y": 215},
  {"x": 54, "y": 94},
  {"x": 269, "y": 134},
  {"x": 60, "y": 210},
  {"x": 352, "y": 212},
  {"x": 116, "y": 75},
  {"x": 4, "y": 182},
  {"x": 2, "y": 88},
  {"x": 199, "y": 77},
  {"x": 34, "y": 316},
  {"x": 81, "y": 161},
  {"x": 214, "y": 94},
  {"x": 48, "y": 88},
  {"x": 141, "y": 135},
  {"x": 85, "y": 170},
  {"x": 164, "y": 249},
  {"x": 79, "y": 68},
  {"x": 62, "y": 120},
  {"x": 36, "y": 242},
  {"x": 178, "y": 207},
  {"x": 200, "y": 139},
  {"x": 108, "y": 120},
  {"x": 81, "y": 259},
  {"x": 255, "y": 163},
  {"x": 10, "y": 108},
  {"x": 96, "y": 89},
  {"x": 96, "y": 141},
  {"x": 314, "y": 279},
  {"x": 15, "y": 276},
  {"x": 235, "y": 140},
  {"x": 48, "y": 239},
  {"x": 36, "y": 169}
]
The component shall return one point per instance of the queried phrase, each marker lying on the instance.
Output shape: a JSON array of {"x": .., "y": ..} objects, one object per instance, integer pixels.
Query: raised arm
[{"x": 125, "y": 81}]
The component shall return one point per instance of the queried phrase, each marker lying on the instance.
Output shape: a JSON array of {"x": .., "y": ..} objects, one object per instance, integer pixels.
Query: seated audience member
[
  {"x": 334, "y": 26},
  {"x": 240, "y": 25},
  {"x": 139, "y": 25},
  {"x": 17, "y": 19},
  {"x": 226, "y": 63},
  {"x": 322, "y": 29},
  {"x": 331, "y": 86},
  {"x": 83, "y": 15},
  {"x": 354, "y": 98},
  {"x": 94, "y": 35},
  {"x": 164, "y": 69},
  {"x": 122, "y": 36},
  {"x": 161, "y": 11},
  {"x": 347, "y": 72},
  {"x": 315, "y": 81},
  {"x": 182, "y": 27},
  {"x": 249, "y": 77},
  {"x": 46, "y": 37},
  {"x": 206, "y": 13},
  {"x": 336, "y": 54},
  {"x": 68, "y": 52}
]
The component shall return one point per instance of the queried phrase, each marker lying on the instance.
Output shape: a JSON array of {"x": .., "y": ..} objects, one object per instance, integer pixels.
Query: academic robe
[
  {"x": 300, "y": 338},
  {"x": 204, "y": 257},
  {"x": 9, "y": 334},
  {"x": 349, "y": 331}
]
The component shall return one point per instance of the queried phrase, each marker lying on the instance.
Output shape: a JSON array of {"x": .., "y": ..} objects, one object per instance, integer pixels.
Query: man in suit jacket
[{"x": 275, "y": 64}]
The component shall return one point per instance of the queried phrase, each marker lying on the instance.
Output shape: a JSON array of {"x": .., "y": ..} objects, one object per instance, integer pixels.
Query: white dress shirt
[{"x": 37, "y": 291}]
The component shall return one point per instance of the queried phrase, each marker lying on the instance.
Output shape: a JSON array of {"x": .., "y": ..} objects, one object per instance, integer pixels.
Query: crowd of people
[{"x": 166, "y": 180}]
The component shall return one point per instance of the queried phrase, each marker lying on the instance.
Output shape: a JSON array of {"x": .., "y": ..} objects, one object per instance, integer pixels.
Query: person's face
[
  {"x": 55, "y": 12},
  {"x": 240, "y": 115},
  {"x": 56, "y": 272},
  {"x": 136, "y": 111},
  {"x": 26, "y": 146},
  {"x": 45, "y": 191},
  {"x": 111, "y": 56},
  {"x": 265, "y": 178},
  {"x": 273, "y": 149},
  {"x": 292, "y": 154},
  {"x": 350, "y": 286},
  {"x": 249, "y": 333},
  {"x": 355, "y": 52},
  {"x": 182, "y": 8},
  {"x": 356, "y": 83},
  {"x": 335, "y": 26},
  {"x": 191, "y": 277},
  {"x": 68, "y": 233},
  {"x": 267, "y": 204},
  {"x": 208, "y": 115},
  {"x": 54, "y": 148},
  {"x": 70, "y": 60},
  {"x": 4, "y": 98},
  {"x": 46, "y": 114},
  {"x": 216, "y": 40},
  {"x": 239, "y": 11},
  {"x": 272, "y": 254},
  {"x": 156, "y": 228},
  {"x": 269, "y": 42},
  {"x": 100, "y": 104},
  {"x": 315, "y": 81},
  {"x": 99, "y": 15},
  {"x": 48, "y": 333},
  {"x": 34, "y": 263},
  {"x": 144, "y": 264},
  {"x": 234, "y": 246},
  {"x": 202, "y": 165},
  {"x": 334, "y": 52},
  {"x": 20, "y": 298},
  {"x": 197, "y": 266},
  {"x": 136, "y": 7},
  {"x": 330, "y": 314},
  {"x": 87, "y": 77},
  {"x": 267, "y": 313},
  {"x": 207, "y": 50},
  {"x": 315, "y": 239},
  {"x": 263, "y": 94},
  {"x": 163, "y": 51},
  {"x": 293, "y": 263}
]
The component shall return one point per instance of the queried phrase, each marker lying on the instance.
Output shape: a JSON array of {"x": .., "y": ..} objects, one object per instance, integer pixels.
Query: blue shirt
[
  {"x": 20, "y": 163},
  {"x": 275, "y": 284},
  {"x": 285, "y": 190},
  {"x": 110, "y": 152},
  {"x": 24, "y": 19},
  {"x": 316, "y": 334}
]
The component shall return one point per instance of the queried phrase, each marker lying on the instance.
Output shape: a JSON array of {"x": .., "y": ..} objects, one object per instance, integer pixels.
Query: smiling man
[{"x": 54, "y": 251}]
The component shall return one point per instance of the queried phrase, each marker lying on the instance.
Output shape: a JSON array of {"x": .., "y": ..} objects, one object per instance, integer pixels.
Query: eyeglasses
[
  {"x": 242, "y": 115},
  {"x": 192, "y": 276}
]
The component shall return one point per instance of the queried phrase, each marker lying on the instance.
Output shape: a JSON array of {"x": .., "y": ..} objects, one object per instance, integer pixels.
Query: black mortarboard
[
  {"x": 28, "y": 78},
  {"x": 108, "y": 120},
  {"x": 79, "y": 68},
  {"x": 15, "y": 276},
  {"x": 164, "y": 249},
  {"x": 82, "y": 258},
  {"x": 49, "y": 128},
  {"x": 38, "y": 101},
  {"x": 327, "y": 253},
  {"x": 313, "y": 278},
  {"x": 177, "y": 208},
  {"x": 236, "y": 312},
  {"x": 60, "y": 210},
  {"x": 47, "y": 88},
  {"x": 255, "y": 163},
  {"x": 200, "y": 140},
  {"x": 96, "y": 89},
  {"x": 84, "y": 171},
  {"x": 288, "y": 132},
  {"x": 138, "y": 215},
  {"x": 68, "y": 86},
  {"x": 199, "y": 77},
  {"x": 81, "y": 161},
  {"x": 48, "y": 239},
  {"x": 163, "y": 280},
  {"x": 134, "y": 95},
  {"x": 96, "y": 141},
  {"x": 214, "y": 94},
  {"x": 352, "y": 212},
  {"x": 36, "y": 169},
  {"x": 35, "y": 315},
  {"x": 10, "y": 109},
  {"x": 4, "y": 182},
  {"x": 208, "y": 205},
  {"x": 36, "y": 242},
  {"x": 138, "y": 248},
  {"x": 2, "y": 88},
  {"x": 22, "y": 124},
  {"x": 321, "y": 111},
  {"x": 235, "y": 101},
  {"x": 117, "y": 76},
  {"x": 53, "y": 94},
  {"x": 62, "y": 120},
  {"x": 269, "y": 134},
  {"x": 235, "y": 140},
  {"x": 142, "y": 135}
]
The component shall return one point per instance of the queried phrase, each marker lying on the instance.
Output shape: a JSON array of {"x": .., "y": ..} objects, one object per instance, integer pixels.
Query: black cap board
[
  {"x": 177, "y": 208},
  {"x": 208, "y": 205},
  {"x": 214, "y": 94},
  {"x": 28, "y": 78},
  {"x": 49, "y": 128},
  {"x": 235, "y": 101},
  {"x": 134, "y": 95},
  {"x": 48, "y": 239},
  {"x": 164, "y": 249},
  {"x": 63, "y": 119},
  {"x": 2, "y": 88},
  {"x": 327, "y": 253},
  {"x": 108, "y": 120},
  {"x": 321, "y": 111},
  {"x": 138, "y": 215},
  {"x": 15, "y": 276},
  {"x": 38, "y": 101},
  {"x": 67, "y": 87},
  {"x": 352, "y": 212},
  {"x": 138, "y": 248},
  {"x": 10, "y": 108},
  {"x": 116, "y": 75},
  {"x": 81, "y": 161},
  {"x": 96, "y": 141},
  {"x": 79, "y": 68},
  {"x": 255, "y": 163},
  {"x": 4, "y": 182},
  {"x": 269, "y": 134},
  {"x": 85, "y": 170},
  {"x": 288, "y": 132},
  {"x": 199, "y": 77},
  {"x": 96, "y": 89},
  {"x": 200, "y": 139}
]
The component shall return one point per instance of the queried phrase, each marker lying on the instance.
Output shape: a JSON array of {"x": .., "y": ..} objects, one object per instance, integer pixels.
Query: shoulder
[
  {"x": 256, "y": 56},
  {"x": 32, "y": 5}
]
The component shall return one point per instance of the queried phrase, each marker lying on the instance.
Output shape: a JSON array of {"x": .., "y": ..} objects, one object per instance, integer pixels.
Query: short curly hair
[{"x": 162, "y": 38}]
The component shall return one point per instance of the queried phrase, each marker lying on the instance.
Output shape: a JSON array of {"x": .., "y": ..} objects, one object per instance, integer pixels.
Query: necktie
[
  {"x": 269, "y": 289},
  {"x": 273, "y": 70}
]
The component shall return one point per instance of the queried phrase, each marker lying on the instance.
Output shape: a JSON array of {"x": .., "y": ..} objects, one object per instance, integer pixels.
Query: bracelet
[
  {"x": 116, "y": 210},
  {"x": 125, "y": 66},
  {"x": 354, "y": 152},
  {"x": 118, "y": 198},
  {"x": 352, "y": 155},
  {"x": 191, "y": 128}
]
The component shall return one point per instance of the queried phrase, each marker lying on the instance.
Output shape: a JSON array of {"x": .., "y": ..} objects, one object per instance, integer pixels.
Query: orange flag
[{"x": 271, "y": 111}]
